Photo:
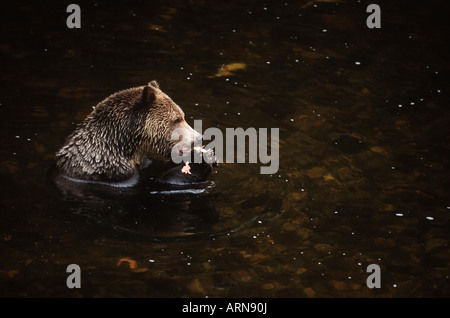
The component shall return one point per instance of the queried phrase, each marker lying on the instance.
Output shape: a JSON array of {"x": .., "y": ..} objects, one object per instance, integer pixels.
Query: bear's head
[{"x": 163, "y": 117}]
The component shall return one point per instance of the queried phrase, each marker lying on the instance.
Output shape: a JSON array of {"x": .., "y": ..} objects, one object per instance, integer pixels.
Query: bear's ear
[
  {"x": 148, "y": 95},
  {"x": 154, "y": 84}
]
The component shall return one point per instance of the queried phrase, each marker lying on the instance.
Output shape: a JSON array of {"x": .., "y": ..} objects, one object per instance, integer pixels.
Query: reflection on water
[{"x": 364, "y": 152}]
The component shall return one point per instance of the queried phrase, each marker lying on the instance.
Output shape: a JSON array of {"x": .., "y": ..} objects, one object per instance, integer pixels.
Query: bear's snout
[
  {"x": 189, "y": 134},
  {"x": 197, "y": 137}
]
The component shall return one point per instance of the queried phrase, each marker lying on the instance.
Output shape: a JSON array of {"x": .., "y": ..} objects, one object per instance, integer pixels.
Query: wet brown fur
[{"x": 113, "y": 142}]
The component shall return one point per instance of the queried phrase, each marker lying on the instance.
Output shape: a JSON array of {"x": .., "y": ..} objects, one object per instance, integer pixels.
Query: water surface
[{"x": 364, "y": 150}]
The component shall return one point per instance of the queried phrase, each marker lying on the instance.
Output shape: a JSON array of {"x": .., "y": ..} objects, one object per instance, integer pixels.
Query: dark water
[{"x": 364, "y": 150}]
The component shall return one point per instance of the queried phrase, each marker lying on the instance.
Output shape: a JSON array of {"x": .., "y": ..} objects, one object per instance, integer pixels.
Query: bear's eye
[{"x": 176, "y": 121}]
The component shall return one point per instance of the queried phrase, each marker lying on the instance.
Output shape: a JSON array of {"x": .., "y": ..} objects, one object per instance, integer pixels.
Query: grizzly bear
[{"x": 120, "y": 135}]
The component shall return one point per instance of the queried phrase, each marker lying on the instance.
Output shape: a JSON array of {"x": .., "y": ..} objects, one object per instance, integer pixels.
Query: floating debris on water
[{"x": 229, "y": 69}]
